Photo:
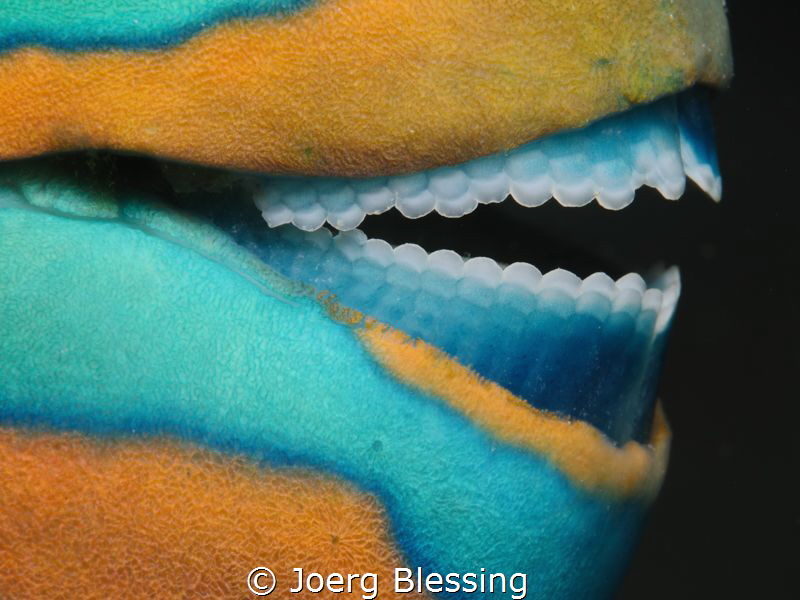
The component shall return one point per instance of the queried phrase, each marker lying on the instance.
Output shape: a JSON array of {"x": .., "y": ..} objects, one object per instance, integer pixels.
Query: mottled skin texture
[
  {"x": 186, "y": 522},
  {"x": 364, "y": 87}
]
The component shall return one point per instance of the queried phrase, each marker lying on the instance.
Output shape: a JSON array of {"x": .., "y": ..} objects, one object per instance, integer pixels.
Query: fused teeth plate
[{"x": 607, "y": 161}]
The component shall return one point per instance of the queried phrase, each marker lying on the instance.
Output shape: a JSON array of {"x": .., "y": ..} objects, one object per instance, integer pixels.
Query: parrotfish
[{"x": 206, "y": 369}]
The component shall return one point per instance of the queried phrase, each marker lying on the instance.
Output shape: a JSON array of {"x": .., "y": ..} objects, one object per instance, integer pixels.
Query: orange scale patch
[{"x": 84, "y": 518}]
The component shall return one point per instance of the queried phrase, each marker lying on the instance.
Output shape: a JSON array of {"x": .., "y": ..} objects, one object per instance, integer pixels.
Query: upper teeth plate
[{"x": 656, "y": 145}]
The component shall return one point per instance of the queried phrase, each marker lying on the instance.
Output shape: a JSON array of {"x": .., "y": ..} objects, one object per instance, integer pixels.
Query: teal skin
[
  {"x": 93, "y": 24},
  {"x": 121, "y": 316}
]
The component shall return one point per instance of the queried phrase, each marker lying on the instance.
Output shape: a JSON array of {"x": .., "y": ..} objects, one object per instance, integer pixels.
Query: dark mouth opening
[
  {"x": 583, "y": 241},
  {"x": 551, "y": 237}
]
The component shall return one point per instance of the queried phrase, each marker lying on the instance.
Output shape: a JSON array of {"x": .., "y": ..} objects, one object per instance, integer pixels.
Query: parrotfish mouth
[
  {"x": 586, "y": 348},
  {"x": 581, "y": 348},
  {"x": 182, "y": 279}
]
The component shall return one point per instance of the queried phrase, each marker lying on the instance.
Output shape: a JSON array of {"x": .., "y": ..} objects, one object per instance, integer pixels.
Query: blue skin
[
  {"x": 69, "y": 25},
  {"x": 122, "y": 316}
]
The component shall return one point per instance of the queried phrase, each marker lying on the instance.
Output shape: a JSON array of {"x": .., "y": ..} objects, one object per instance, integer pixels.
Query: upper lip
[{"x": 374, "y": 88}]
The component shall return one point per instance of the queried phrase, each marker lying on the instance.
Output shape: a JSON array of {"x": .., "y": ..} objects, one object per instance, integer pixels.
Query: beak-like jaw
[{"x": 207, "y": 328}]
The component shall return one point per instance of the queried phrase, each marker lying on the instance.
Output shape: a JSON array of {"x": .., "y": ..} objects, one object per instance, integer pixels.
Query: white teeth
[
  {"x": 350, "y": 243},
  {"x": 700, "y": 172},
  {"x": 572, "y": 182},
  {"x": 446, "y": 262},
  {"x": 483, "y": 282},
  {"x": 670, "y": 283},
  {"x": 532, "y": 193},
  {"x": 651, "y": 301},
  {"x": 599, "y": 283},
  {"x": 670, "y": 178},
  {"x": 608, "y": 175},
  {"x": 628, "y": 300},
  {"x": 562, "y": 279},
  {"x": 606, "y": 161},
  {"x": 373, "y": 196},
  {"x": 575, "y": 194},
  {"x": 300, "y": 196},
  {"x": 277, "y": 214},
  {"x": 336, "y": 197},
  {"x": 448, "y": 184},
  {"x": 523, "y": 275},
  {"x": 485, "y": 270},
  {"x": 488, "y": 182},
  {"x": 347, "y": 218},
  {"x": 526, "y": 163},
  {"x": 615, "y": 199},
  {"x": 411, "y": 256},
  {"x": 379, "y": 252},
  {"x": 417, "y": 205},
  {"x": 597, "y": 294},
  {"x": 457, "y": 207},
  {"x": 406, "y": 186},
  {"x": 632, "y": 281},
  {"x": 309, "y": 218}
]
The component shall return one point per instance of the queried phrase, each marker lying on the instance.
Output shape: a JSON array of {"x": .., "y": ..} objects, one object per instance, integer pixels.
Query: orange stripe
[
  {"x": 579, "y": 450},
  {"x": 82, "y": 518},
  {"x": 358, "y": 87}
]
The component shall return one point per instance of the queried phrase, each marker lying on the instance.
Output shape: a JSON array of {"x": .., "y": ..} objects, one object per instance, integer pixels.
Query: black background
[{"x": 726, "y": 524}]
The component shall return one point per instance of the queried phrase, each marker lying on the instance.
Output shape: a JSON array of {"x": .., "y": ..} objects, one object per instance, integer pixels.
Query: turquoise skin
[
  {"x": 122, "y": 316},
  {"x": 95, "y": 24}
]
